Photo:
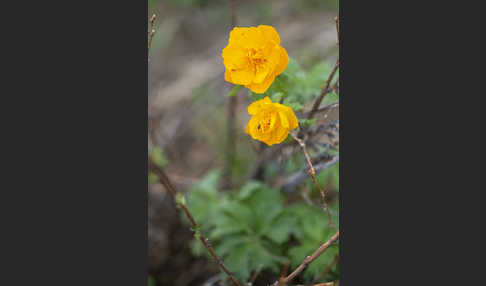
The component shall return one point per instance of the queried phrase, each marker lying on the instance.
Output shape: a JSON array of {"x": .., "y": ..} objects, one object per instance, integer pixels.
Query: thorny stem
[
  {"x": 312, "y": 173},
  {"x": 171, "y": 189},
  {"x": 324, "y": 91},
  {"x": 152, "y": 30},
  {"x": 311, "y": 258}
]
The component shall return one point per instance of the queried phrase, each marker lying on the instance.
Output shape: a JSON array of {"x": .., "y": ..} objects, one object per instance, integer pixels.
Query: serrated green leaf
[
  {"x": 229, "y": 243},
  {"x": 280, "y": 230},
  {"x": 248, "y": 189},
  {"x": 238, "y": 261}
]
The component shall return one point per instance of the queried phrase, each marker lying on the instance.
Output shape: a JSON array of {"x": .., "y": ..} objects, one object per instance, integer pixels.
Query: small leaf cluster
[{"x": 296, "y": 87}]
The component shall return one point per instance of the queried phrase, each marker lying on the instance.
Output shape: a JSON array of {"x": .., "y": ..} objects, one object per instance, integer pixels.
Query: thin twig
[
  {"x": 152, "y": 30},
  {"x": 336, "y": 19},
  {"x": 171, "y": 189},
  {"x": 324, "y": 91},
  {"x": 283, "y": 273},
  {"x": 335, "y": 87},
  {"x": 319, "y": 284},
  {"x": 311, "y": 258},
  {"x": 312, "y": 173},
  {"x": 297, "y": 178}
]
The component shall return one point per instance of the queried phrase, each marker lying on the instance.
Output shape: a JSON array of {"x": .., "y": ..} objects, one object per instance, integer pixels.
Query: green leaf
[
  {"x": 238, "y": 261},
  {"x": 330, "y": 98},
  {"x": 304, "y": 122},
  {"x": 248, "y": 189},
  {"x": 280, "y": 230}
]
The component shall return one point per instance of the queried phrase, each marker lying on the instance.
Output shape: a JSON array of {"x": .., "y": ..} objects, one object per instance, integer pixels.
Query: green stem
[{"x": 234, "y": 90}]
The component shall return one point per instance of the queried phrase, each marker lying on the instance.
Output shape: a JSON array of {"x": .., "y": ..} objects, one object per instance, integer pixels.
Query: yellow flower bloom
[
  {"x": 254, "y": 57},
  {"x": 271, "y": 122}
]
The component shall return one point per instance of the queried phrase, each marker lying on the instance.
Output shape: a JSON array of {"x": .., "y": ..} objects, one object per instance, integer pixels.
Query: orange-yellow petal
[
  {"x": 256, "y": 106},
  {"x": 269, "y": 32},
  {"x": 283, "y": 62},
  {"x": 227, "y": 75},
  {"x": 263, "y": 86},
  {"x": 243, "y": 76},
  {"x": 283, "y": 119}
]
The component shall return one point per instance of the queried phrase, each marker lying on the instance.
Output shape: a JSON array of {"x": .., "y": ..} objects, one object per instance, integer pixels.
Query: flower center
[
  {"x": 264, "y": 123},
  {"x": 256, "y": 56}
]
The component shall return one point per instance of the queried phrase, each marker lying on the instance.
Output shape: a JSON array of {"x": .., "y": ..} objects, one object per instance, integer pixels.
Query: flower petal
[
  {"x": 269, "y": 32},
  {"x": 293, "y": 122},
  {"x": 237, "y": 35},
  {"x": 263, "y": 86},
  {"x": 227, "y": 75},
  {"x": 283, "y": 119},
  {"x": 235, "y": 58},
  {"x": 261, "y": 73},
  {"x": 283, "y": 62},
  {"x": 243, "y": 76},
  {"x": 256, "y": 106}
]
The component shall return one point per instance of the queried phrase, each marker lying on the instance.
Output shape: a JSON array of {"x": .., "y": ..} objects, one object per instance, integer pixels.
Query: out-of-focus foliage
[
  {"x": 310, "y": 236},
  {"x": 253, "y": 226},
  {"x": 297, "y": 87},
  {"x": 151, "y": 281},
  {"x": 159, "y": 158}
]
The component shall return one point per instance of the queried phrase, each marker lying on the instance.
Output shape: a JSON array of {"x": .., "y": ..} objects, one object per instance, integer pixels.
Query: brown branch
[
  {"x": 311, "y": 258},
  {"x": 283, "y": 273},
  {"x": 320, "y": 284},
  {"x": 171, "y": 189},
  {"x": 312, "y": 173},
  {"x": 297, "y": 178},
  {"x": 324, "y": 91},
  {"x": 152, "y": 30},
  {"x": 336, "y": 19}
]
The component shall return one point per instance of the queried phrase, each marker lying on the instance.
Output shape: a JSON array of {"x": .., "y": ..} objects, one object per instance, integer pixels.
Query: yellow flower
[
  {"x": 271, "y": 122},
  {"x": 254, "y": 57}
]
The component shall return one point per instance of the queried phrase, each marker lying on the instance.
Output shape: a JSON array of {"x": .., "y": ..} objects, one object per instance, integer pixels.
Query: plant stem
[{"x": 234, "y": 90}]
